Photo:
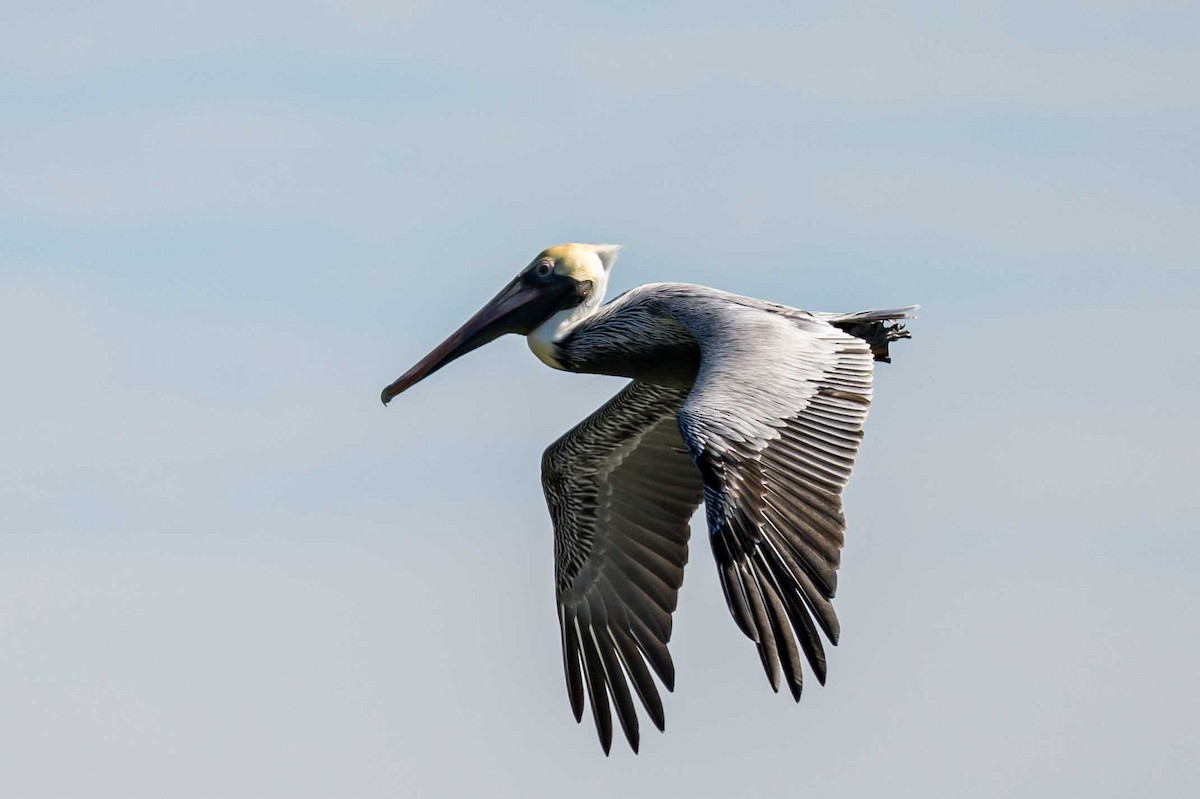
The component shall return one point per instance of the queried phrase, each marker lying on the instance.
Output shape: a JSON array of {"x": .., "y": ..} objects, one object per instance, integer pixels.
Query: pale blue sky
[{"x": 225, "y": 570}]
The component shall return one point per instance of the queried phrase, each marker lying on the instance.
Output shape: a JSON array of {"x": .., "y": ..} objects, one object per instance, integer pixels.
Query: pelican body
[{"x": 754, "y": 408}]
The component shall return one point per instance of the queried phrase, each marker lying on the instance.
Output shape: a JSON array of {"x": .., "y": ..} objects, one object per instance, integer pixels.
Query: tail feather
[
  {"x": 870, "y": 327},
  {"x": 870, "y": 316}
]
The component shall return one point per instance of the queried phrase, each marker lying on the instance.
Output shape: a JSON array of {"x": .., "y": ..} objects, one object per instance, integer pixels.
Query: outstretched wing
[
  {"x": 774, "y": 422},
  {"x": 622, "y": 488}
]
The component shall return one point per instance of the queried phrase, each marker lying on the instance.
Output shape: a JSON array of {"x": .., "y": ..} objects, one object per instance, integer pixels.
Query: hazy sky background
[{"x": 226, "y": 570}]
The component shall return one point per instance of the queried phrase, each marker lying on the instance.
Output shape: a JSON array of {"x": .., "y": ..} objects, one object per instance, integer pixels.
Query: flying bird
[{"x": 752, "y": 407}]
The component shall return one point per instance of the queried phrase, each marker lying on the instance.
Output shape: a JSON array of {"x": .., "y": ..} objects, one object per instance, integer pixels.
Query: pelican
[{"x": 753, "y": 407}]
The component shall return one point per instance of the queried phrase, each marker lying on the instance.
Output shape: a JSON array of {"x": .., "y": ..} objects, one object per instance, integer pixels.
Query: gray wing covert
[
  {"x": 774, "y": 423},
  {"x": 621, "y": 488}
]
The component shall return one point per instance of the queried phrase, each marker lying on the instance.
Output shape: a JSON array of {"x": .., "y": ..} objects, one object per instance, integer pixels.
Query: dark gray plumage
[{"x": 621, "y": 489}]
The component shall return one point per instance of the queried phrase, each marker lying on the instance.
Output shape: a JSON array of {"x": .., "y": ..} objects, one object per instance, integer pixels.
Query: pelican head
[{"x": 559, "y": 287}]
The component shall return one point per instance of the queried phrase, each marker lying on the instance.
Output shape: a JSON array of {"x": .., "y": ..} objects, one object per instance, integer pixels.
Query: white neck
[{"x": 543, "y": 338}]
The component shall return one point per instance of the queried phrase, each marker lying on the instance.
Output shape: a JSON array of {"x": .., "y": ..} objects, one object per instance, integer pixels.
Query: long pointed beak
[{"x": 516, "y": 309}]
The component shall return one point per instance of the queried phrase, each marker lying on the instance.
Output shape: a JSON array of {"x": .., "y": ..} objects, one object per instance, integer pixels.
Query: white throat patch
[{"x": 543, "y": 337}]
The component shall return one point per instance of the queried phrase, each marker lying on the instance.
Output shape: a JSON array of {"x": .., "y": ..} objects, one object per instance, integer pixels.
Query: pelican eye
[{"x": 544, "y": 268}]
